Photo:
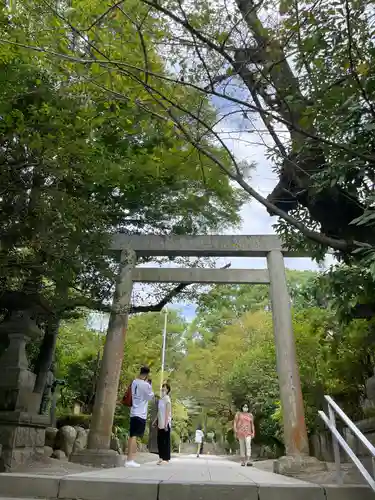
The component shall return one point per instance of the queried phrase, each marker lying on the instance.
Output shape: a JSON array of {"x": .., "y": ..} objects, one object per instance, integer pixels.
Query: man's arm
[{"x": 149, "y": 395}]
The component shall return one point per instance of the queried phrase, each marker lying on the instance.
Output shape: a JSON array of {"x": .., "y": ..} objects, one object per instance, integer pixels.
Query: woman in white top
[
  {"x": 164, "y": 420},
  {"x": 199, "y": 439}
]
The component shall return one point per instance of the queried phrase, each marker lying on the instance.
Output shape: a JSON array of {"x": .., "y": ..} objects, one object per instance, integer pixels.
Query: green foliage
[
  {"x": 180, "y": 419},
  {"x": 175, "y": 441},
  {"x": 334, "y": 60},
  {"x": 94, "y": 123},
  {"x": 66, "y": 418},
  {"x": 144, "y": 342},
  {"x": 78, "y": 355},
  {"x": 211, "y": 380},
  {"x": 240, "y": 365},
  {"x": 224, "y": 304},
  {"x": 349, "y": 290},
  {"x": 325, "y": 98},
  {"x": 69, "y": 153},
  {"x": 78, "y": 163}
]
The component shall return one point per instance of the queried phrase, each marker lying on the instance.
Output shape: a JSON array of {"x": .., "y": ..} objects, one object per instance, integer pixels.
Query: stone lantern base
[{"x": 22, "y": 436}]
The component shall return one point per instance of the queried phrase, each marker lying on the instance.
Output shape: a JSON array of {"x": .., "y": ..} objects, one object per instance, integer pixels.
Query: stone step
[{"x": 92, "y": 487}]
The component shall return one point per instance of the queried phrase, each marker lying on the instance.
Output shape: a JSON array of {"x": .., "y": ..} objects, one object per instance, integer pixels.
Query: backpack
[{"x": 127, "y": 400}]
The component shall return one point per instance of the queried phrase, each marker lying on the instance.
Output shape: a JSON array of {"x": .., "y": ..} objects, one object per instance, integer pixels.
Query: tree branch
[
  {"x": 353, "y": 70},
  {"x": 105, "y": 13},
  {"x": 118, "y": 64},
  {"x": 99, "y": 306},
  {"x": 338, "y": 244}
]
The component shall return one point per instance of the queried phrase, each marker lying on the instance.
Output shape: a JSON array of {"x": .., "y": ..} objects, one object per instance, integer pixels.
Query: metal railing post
[
  {"x": 338, "y": 440},
  {"x": 336, "y": 449}
]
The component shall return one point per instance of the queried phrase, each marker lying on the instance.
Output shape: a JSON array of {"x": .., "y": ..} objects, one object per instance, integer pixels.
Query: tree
[
  {"x": 120, "y": 134},
  {"x": 321, "y": 101},
  {"x": 253, "y": 376},
  {"x": 224, "y": 304},
  {"x": 79, "y": 165},
  {"x": 347, "y": 290},
  {"x": 144, "y": 345},
  {"x": 77, "y": 358},
  {"x": 79, "y": 349},
  {"x": 333, "y": 358},
  {"x": 74, "y": 200}
]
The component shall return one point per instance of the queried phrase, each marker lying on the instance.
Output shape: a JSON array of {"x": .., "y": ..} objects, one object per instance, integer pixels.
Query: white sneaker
[{"x": 132, "y": 464}]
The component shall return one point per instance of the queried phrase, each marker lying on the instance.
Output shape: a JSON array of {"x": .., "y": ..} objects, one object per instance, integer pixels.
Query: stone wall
[
  {"x": 321, "y": 446},
  {"x": 367, "y": 427},
  {"x": 62, "y": 443}
]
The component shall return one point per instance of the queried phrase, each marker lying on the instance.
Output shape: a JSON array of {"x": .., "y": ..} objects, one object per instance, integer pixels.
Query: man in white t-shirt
[{"x": 141, "y": 395}]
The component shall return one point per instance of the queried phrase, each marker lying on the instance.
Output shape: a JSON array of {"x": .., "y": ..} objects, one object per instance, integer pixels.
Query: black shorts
[{"x": 137, "y": 427}]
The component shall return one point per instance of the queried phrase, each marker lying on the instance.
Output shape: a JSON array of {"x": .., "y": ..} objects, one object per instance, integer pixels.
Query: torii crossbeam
[{"x": 129, "y": 247}]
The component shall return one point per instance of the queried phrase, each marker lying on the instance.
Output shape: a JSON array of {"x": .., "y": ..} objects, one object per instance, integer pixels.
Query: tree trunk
[
  {"x": 90, "y": 401},
  {"x": 44, "y": 362},
  {"x": 332, "y": 207}
]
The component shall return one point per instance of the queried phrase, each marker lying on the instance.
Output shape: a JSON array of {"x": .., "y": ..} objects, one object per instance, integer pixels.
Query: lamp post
[{"x": 163, "y": 348}]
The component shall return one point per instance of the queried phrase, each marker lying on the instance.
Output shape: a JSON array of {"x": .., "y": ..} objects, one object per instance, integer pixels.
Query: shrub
[
  {"x": 74, "y": 421},
  {"x": 121, "y": 421},
  {"x": 175, "y": 441}
]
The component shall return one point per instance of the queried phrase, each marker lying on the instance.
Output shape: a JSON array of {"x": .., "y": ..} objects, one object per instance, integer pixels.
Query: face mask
[
  {"x": 245, "y": 408},
  {"x": 163, "y": 393}
]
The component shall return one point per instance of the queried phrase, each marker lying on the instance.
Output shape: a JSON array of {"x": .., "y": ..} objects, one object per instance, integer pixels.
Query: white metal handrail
[{"x": 330, "y": 421}]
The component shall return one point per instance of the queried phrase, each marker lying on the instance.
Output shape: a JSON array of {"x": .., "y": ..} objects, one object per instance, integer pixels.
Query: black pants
[{"x": 164, "y": 444}]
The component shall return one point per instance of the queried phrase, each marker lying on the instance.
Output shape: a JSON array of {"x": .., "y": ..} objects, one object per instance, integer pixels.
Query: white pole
[{"x": 163, "y": 348}]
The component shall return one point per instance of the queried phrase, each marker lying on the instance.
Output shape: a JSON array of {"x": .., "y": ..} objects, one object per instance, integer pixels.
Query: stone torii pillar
[
  {"x": 295, "y": 433},
  {"x": 98, "y": 453}
]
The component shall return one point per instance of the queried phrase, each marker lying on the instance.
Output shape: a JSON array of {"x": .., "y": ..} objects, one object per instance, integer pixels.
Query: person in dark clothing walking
[{"x": 164, "y": 421}]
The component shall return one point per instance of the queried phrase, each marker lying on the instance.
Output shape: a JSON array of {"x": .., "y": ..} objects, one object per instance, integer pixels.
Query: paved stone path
[
  {"x": 185, "y": 478},
  {"x": 193, "y": 470}
]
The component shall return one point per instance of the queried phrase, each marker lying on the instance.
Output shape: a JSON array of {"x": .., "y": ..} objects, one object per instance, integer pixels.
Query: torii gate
[{"x": 129, "y": 247}]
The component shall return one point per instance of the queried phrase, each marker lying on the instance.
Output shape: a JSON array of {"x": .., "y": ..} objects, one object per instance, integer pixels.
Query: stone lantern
[{"x": 21, "y": 432}]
